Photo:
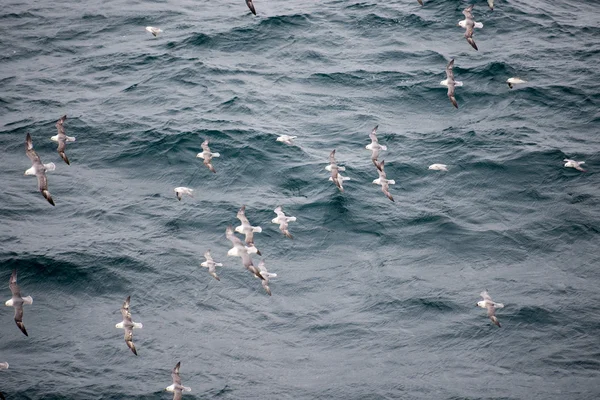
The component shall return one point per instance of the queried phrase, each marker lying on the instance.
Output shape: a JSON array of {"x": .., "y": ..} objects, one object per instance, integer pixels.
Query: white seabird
[
  {"x": 177, "y": 388},
  {"x": 4, "y": 365},
  {"x": 62, "y": 139},
  {"x": 336, "y": 177},
  {"x": 211, "y": 264},
  {"x": 207, "y": 155},
  {"x": 17, "y": 301},
  {"x": 251, "y": 6},
  {"x": 154, "y": 31},
  {"x": 38, "y": 169},
  {"x": 239, "y": 250},
  {"x": 438, "y": 167},
  {"x": 374, "y": 146},
  {"x": 266, "y": 276},
  {"x": 469, "y": 24},
  {"x": 248, "y": 230},
  {"x": 451, "y": 83},
  {"x": 491, "y": 306},
  {"x": 287, "y": 139},
  {"x": 514, "y": 81},
  {"x": 282, "y": 220},
  {"x": 383, "y": 181},
  {"x": 128, "y": 325},
  {"x": 180, "y": 191},
  {"x": 574, "y": 164}
]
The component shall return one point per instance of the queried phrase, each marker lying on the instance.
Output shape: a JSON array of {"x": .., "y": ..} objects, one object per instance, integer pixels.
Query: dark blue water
[{"x": 373, "y": 299}]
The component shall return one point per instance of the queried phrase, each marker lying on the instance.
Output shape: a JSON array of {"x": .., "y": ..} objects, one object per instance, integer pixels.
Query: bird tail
[
  {"x": 27, "y": 300},
  {"x": 216, "y": 154},
  {"x": 50, "y": 166},
  {"x": 256, "y": 229},
  {"x": 478, "y": 25}
]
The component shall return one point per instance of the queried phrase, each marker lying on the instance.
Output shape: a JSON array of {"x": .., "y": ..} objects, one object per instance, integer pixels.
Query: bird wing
[
  {"x": 125, "y": 310},
  {"x": 30, "y": 151},
  {"x": 449, "y": 71},
  {"x": 12, "y": 284},
  {"x": 241, "y": 215},
  {"x": 19, "y": 317},
  {"x": 467, "y": 11},
  {"x": 486, "y": 296},
  {"x": 204, "y": 145},
  {"x": 373, "y": 135},
  {"x": 332, "y": 157},
  {"x": 175, "y": 374}
]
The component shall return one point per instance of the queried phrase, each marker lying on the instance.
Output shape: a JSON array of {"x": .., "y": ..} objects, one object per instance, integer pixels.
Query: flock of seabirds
[{"x": 245, "y": 248}]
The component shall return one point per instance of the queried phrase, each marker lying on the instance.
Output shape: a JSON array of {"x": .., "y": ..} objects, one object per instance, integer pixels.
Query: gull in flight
[
  {"x": 287, "y": 139},
  {"x": 336, "y": 177},
  {"x": 62, "y": 139},
  {"x": 451, "y": 83},
  {"x": 128, "y": 325},
  {"x": 211, "y": 264},
  {"x": 17, "y": 302},
  {"x": 514, "y": 81},
  {"x": 207, "y": 155},
  {"x": 383, "y": 181},
  {"x": 282, "y": 220},
  {"x": 180, "y": 191},
  {"x": 491, "y": 306},
  {"x": 38, "y": 169},
  {"x": 177, "y": 388},
  {"x": 251, "y": 6},
  {"x": 469, "y": 24},
  {"x": 154, "y": 31},
  {"x": 246, "y": 229},
  {"x": 266, "y": 275},
  {"x": 239, "y": 250},
  {"x": 574, "y": 164},
  {"x": 438, "y": 167},
  {"x": 375, "y": 147}
]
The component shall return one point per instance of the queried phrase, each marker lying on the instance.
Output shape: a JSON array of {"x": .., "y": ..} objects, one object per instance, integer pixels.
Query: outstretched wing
[
  {"x": 449, "y": 71},
  {"x": 373, "y": 135},
  {"x": 175, "y": 375},
  {"x": 30, "y": 151}
]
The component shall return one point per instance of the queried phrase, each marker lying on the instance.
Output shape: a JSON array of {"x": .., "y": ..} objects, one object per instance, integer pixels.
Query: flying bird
[
  {"x": 207, "y": 155},
  {"x": 177, "y": 388},
  {"x": 128, "y": 325},
  {"x": 211, "y": 264},
  {"x": 239, "y": 250},
  {"x": 438, "y": 167},
  {"x": 488, "y": 303},
  {"x": 513, "y": 81},
  {"x": 180, "y": 191},
  {"x": 574, "y": 164},
  {"x": 282, "y": 220},
  {"x": 374, "y": 146},
  {"x": 287, "y": 139},
  {"x": 62, "y": 139},
  {"x": 38, "y": 169},
  {"x": 451, "y": 83},
  {"x": 469, "y": 25},
  {"x": 383, "y": 181},
  {"x": 266, "y": 275},
  {"x": 248, "y": 230},
  {"x": 154, "y": 31},
  {"x": 336, "y": 177},
  {"x": 251, "y": 6},
  {"x": 4, "y": 365},
  {"x": 17, "y": 302}
]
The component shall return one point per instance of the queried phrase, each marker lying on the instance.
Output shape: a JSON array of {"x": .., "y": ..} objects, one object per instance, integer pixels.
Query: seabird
[
  {"x": 251, "y": 6},
  {"x": 514, "y": 81},
  {"x": 488, "y": 303},
  {"x": 282, "y": 220},
  {"x": 336, "y": 177},
  {"x": 574, "y": 164},
  {"x": 287, "y": 139},
  {"x": 177, "y": 388},
  {"x": 207, "y": 155},
  {"x": 17, "y": 301},
  {"x": 246, "y": 229},
  {"x": 38, "y": 169},
  {"x": 469, "y": 24},
  {"x": 4, "y": 365},
  {"x": 211, "y": 264},
  {"x": 451, "y": 83},
  {"x": 375, "y": 147},
  {"x": 438, "y": 167},
  {"x": 383, "y": 181},
  {"x": 128, "y": 325},
  {"x": 180, "y": 191},
  {"x": 153, "y": 31},
  {"x": 239, "y": 250},
  {"x": 62, "y": 139},
  {"x": 266, "y": 275}
]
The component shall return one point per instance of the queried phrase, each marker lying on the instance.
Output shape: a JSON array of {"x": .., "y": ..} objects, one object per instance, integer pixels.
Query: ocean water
[{"x": 373, "y": 299}]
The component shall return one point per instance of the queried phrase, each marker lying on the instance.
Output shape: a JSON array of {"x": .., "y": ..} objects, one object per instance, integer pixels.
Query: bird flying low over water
[
  {"x": 374, "y": 146},
  {"x": 251, "y": 6},
  {"x": 17, "y": 302},
  {"x": 469, "y": 25},
  {"x": 491, "y": 306},
  {"x": 128, "y": 325},
  {"x": 282, "y": 220},
  {"x": 287, "y": 139},
  {"x": 38, "y": 169},
  {"x": 451, "y": 83},
  {"x": 177, "y": 388},
  {"x": 248, "y": 230},
  {"x": 266, "y": 275},
  {"x": 207, "y": 156},
  {"x": 211, "y": 264},
  {"x": 438, "y": 167},
  {"x": 180, "y": 191},
  {"x": 62, "y": 139},
  {"x": 239, "y": 250},
  {"x": 574, "y": 164},
  {"x": 336, "y": 177},
  {"x": 383, "y": 181},
  {"x": 514, "y": 81},
  {"x": 154, "y": 31},
  {"x": 4, "y": 365}
]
